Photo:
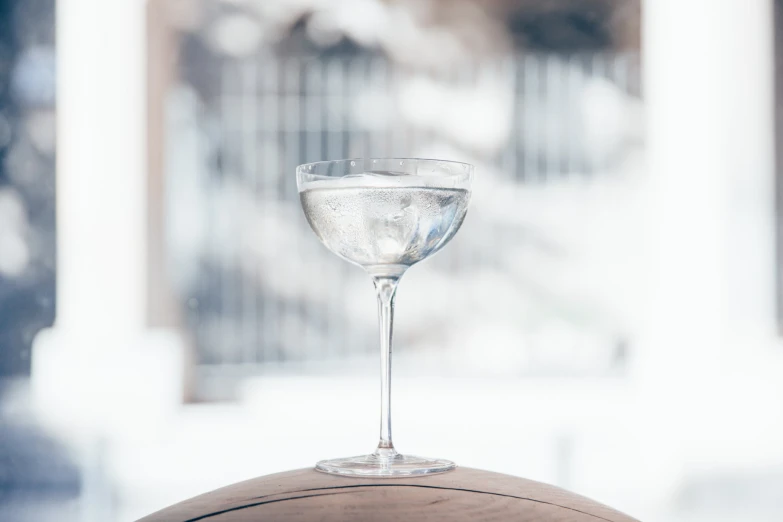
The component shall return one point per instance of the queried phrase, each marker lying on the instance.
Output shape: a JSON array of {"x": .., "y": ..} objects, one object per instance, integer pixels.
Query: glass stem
[{"x": 386, "y": 288}]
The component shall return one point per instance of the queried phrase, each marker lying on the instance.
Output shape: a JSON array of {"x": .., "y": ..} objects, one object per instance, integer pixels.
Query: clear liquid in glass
[{"x": 384, "y": 225}]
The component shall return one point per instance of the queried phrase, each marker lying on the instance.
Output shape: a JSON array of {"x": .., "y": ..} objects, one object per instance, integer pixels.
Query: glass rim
[{"x": 469, "y": 167}]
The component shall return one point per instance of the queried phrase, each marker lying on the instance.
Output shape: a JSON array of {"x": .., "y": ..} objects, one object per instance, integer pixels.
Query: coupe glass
[{"x": 385, "y": 215}]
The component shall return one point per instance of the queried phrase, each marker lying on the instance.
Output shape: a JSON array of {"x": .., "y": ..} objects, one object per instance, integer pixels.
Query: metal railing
[{"x": 256, "y": 285}]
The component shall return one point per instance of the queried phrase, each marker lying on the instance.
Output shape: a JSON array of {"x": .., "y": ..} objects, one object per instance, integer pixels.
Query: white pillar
[
  {"x": 709, "y": 102},
  {"x": 99, "y": 352},
  {"x": 101, "y": 165}
]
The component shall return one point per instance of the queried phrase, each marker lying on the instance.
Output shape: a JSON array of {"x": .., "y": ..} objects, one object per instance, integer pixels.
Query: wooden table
[{"x": 464, "y": 494}]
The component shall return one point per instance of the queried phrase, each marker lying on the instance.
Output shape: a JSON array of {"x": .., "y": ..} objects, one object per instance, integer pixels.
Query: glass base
[{"x": 374, "y": 465}]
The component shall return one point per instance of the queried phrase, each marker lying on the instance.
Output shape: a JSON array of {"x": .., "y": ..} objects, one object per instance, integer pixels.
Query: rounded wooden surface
[{"x": 462, "y": 494}]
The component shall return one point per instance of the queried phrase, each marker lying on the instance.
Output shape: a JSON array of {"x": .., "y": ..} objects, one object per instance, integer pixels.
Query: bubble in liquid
[
  {"x": 353, "y": 164},
  {"x": 400, "y": 163}
]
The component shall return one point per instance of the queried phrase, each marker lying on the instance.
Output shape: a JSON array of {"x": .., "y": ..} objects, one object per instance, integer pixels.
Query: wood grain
[{"x": 463, "y": 494}]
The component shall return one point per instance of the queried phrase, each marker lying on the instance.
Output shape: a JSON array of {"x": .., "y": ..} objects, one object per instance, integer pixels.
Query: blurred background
[{"x": 606, "y": 320}]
